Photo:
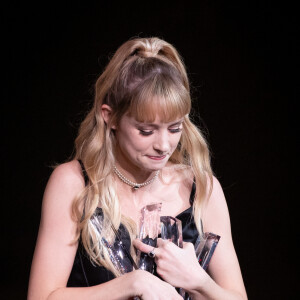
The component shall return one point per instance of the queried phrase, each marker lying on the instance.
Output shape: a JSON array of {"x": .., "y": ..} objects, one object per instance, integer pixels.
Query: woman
[{"x": 136, "y": 146}]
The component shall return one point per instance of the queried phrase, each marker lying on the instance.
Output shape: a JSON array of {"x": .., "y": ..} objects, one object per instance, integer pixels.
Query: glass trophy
[
  {"x": 171, "y": 230},
  {"x": 118, "y": 253},
  {"x": 150, "y": 222},
  {"x": 204, "y": 249}
]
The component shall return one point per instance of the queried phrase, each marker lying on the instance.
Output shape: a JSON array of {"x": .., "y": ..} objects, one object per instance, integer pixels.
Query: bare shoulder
[
  {"x": 69, "y": 173},
  {"x": 215, "y": 214},
  {"x": 57, "y": 219},
  {"x": 217, "y": 191},
  {"x": 65, "y": 183}
]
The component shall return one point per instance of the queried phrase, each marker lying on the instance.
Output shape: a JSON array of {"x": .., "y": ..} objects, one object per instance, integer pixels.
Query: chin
[{"x": 155, "y": 166}]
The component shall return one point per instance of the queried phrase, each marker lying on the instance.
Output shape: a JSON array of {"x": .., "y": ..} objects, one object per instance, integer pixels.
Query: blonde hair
[{"x": 143, "y": 75}]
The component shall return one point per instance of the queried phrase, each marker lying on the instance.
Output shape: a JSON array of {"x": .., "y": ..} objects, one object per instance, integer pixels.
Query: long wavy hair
[{"x": 145, "y": 77}]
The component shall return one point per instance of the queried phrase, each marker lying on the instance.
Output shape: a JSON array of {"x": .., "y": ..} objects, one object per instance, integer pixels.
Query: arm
[
  {"x": 180, "y": 267},
  {"x": 226, "y": 280},
  {"x": 55, "y": 250}
]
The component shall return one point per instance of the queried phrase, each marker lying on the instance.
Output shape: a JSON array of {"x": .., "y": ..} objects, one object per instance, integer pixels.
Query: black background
[{"x": 240, "y": 57}]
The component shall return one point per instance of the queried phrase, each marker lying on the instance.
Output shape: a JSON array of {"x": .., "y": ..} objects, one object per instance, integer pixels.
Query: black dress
[{"x": 84, "y": 273}]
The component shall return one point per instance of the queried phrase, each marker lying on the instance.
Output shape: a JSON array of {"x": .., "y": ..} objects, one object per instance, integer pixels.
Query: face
[{"x": 146, "y": 146}]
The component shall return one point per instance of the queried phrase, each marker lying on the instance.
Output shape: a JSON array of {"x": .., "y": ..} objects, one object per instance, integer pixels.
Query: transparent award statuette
[
  {"x": 150, "y": 222},
  {"x": 204, "y": 248},
  {"x": 118, "y": 253},
  {"x": 171, "y": 229}
]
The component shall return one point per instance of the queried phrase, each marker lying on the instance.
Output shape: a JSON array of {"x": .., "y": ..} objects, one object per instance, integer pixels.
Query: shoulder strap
[
  {"x": 193, "y": 192},
  {"x": 86, "y": 180},
  {"x": 85, "y": 176},
  {"x": 192, "y": 198}
]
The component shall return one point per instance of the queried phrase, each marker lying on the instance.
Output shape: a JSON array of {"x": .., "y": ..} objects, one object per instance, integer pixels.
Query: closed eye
[
  {"x": 175, "y": 130},
  {"x": 145, "y": 132}
]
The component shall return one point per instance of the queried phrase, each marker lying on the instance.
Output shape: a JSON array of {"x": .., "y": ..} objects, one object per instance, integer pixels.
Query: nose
[{"x": 161, "y": 143}]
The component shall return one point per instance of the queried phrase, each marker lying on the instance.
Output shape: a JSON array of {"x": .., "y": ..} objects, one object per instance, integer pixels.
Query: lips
[{"x": 161, "y": 157}]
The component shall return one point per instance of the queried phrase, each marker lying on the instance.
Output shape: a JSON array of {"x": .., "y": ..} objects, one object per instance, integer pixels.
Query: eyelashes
[
  {"x": 149, "y": 132},
  {"x": 175, "y": 130},
  {"x": 145, "y": 132}
]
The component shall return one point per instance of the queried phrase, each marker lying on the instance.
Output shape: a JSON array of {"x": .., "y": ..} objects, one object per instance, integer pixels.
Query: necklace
[{"x": 134, "y": 185}]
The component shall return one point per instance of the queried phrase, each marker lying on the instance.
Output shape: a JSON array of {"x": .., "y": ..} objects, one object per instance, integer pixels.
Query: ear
[{"x": 106, "y": 113}]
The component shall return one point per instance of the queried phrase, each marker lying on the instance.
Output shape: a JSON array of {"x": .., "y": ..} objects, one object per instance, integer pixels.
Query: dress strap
[
  {"x": 86, "y": 180},
  {"x": 193, "y": 192},
  {"x": 85, "y": 176},
  {"x": 192, "y": 198}
]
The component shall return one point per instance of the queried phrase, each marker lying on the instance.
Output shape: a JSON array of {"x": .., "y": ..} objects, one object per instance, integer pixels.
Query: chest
[{"x": 174, "y": 198}]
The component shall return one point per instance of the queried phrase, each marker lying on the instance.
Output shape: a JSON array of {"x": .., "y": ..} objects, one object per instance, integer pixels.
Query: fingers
[
  {"x": 151, "y": 287},
  {"x": 141, "y": 246},
  {"x": 162, "y": 243},
  {"x": 150, "y": 249},
  {"x": 188, "y": 245},
  {"x": 146, "y": 248}
]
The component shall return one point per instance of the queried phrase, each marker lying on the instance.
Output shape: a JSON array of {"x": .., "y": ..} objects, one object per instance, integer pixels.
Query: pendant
[{"x": 136, "y": 187}]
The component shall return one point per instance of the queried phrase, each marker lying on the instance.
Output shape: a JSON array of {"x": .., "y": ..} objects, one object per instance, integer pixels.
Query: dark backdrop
[{"x": 240, "y": 59}]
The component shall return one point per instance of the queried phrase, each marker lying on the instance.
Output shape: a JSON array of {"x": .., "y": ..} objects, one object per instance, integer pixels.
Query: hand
[
  {"x": 150, "y": 287},
  {"x": 177, "y": 266}
]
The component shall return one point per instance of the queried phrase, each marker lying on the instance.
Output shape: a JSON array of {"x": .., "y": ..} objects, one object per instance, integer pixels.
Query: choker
[{"x": 134, "y": 185}]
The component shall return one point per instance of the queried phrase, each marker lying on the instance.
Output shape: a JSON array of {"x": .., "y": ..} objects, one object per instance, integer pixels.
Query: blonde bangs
[{"x": 160, "y": 97}]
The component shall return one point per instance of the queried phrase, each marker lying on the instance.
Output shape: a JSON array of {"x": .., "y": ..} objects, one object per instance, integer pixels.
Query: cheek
[
  {"x": 132, "y": 142},
  {"x": 137, "y": 145},
  {"x": 175, "y": 140}
]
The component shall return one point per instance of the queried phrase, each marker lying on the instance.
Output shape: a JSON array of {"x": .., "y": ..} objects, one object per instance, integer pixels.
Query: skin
[
  {"x": 225, "y": 280},
  {"x": 55, "y": 250},
  {"x": 141, "y": 150}
]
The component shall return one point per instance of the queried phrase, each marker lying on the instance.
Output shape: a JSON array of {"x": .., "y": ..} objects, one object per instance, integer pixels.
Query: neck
[
  {"x": 135, "y": 174},
  {"x": 133, "y": 184}
]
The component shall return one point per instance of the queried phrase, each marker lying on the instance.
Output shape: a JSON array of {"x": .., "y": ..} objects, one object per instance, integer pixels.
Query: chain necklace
[{"x": 134, "y": 185}]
